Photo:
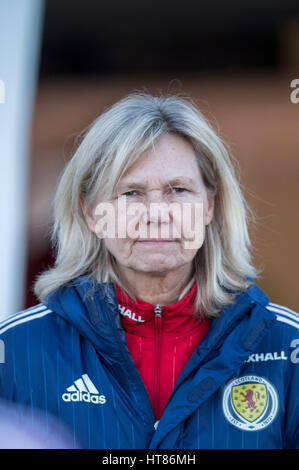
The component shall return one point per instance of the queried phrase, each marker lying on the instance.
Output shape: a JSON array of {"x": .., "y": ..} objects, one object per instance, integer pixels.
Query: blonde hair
[{"x": 114, "y": 141}]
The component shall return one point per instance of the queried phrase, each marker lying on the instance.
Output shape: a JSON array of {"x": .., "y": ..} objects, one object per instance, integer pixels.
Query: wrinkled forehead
[{"x": 145, "y": 183}]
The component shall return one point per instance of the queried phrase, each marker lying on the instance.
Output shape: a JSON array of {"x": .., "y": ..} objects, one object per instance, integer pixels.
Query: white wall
[{"x": 20, "y": 34}]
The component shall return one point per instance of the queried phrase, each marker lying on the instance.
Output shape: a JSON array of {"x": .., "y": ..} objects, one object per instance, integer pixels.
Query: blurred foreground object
[{"x": 22, "y": 429}]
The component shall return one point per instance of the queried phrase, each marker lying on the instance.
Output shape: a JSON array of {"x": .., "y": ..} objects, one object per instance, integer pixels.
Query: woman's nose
[{"x": 157, "y": 209}]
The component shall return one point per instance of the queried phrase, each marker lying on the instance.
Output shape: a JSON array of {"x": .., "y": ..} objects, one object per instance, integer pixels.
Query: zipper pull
[
  {"x": 158, "y": 310},
  {"x": 158, "y": 315}
]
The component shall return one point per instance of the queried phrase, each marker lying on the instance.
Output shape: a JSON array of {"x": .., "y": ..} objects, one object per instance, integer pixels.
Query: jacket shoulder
[
  {"x": 284, "y": 317},
  {"x": 18, "y": 321}
]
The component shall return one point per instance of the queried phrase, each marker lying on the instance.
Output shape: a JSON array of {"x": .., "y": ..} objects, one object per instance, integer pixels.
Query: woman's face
[{"x": 156, "y": 240}]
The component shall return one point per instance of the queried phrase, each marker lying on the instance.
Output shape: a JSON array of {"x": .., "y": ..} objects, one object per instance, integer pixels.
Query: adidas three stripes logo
[{"x": 84, "y": 390}]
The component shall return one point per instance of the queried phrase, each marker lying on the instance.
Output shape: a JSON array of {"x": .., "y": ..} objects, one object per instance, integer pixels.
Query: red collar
[{"x": 174, "y": 316}]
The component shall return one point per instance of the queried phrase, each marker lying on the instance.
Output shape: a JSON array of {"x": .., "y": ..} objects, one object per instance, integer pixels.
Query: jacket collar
[{"x": 92, "y": 308}]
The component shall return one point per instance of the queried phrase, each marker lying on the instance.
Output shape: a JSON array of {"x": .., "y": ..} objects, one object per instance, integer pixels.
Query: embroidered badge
[{"x": 250, "y": 402}]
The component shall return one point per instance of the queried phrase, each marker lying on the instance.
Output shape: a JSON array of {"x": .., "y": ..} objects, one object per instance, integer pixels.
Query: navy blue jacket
[{"x": 68, "y": 357}]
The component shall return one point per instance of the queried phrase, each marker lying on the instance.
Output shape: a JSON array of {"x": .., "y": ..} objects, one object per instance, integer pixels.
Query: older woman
[{"x": 151, "y": 331}]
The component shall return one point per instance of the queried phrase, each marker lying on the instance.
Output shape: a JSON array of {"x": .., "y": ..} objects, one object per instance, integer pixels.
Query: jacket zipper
[
  {"x": 128, "y": 359},
  {"x": 158, "y": 337}
]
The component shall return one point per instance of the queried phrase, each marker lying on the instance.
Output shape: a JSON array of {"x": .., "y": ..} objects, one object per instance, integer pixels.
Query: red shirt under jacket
[{"x": 160, "y": 340}]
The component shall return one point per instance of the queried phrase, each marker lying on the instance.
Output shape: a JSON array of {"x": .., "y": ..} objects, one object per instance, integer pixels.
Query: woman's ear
[
  {"x": 210, "y": 209},
  {"x": 88, "y": 213}
]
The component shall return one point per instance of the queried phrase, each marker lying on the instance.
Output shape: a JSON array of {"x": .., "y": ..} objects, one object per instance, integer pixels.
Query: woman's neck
[{"x": 162, "y": 289}]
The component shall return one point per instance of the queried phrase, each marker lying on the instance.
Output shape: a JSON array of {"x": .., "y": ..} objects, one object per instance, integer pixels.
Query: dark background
[{"x": 120, "y": 36}]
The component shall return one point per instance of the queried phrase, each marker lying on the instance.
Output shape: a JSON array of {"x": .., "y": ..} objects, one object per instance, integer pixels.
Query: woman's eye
[
  {"x": 130, "y": 193},
  {"x": 178, "y": 190}
]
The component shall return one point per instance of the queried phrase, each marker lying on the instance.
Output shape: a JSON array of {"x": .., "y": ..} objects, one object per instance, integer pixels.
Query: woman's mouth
[{"x": 156, "y": 241}]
